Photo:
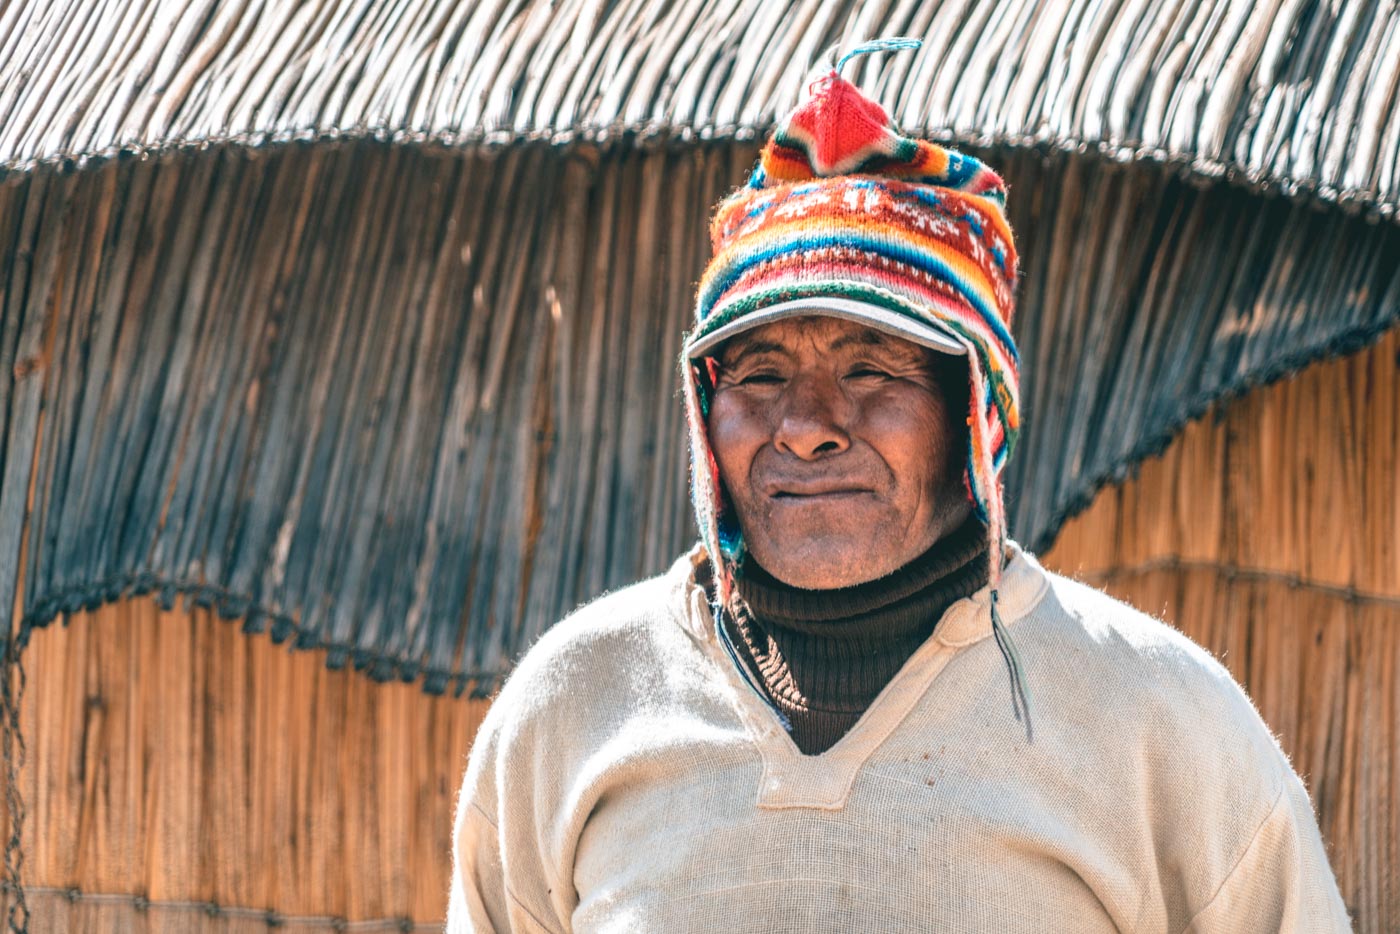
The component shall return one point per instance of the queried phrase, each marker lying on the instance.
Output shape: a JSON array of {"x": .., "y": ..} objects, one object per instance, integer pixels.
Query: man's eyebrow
[
  {"x": 865, "y": 338},
  {"x": 752, "y": 348}
]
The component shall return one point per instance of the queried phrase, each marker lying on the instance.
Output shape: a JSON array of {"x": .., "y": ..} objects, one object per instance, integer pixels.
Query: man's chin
[{"x": 825, "y": 562}]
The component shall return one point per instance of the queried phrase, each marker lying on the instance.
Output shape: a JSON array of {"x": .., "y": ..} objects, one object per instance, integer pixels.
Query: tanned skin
[{"x": 838, "y": 449}]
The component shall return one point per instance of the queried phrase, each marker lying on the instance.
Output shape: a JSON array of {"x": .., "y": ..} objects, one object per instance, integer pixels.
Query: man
[{"x": 856, "y": 705}]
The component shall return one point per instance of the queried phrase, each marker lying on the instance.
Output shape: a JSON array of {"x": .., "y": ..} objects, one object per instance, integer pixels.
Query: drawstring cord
[{"x": 1020, "y": 694}]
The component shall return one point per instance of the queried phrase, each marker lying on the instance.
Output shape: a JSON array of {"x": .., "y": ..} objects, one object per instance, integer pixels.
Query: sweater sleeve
[
  {"x": 1282, "y": 882},
  {"x": 478, "y": 898},
  {"x": 495, "y": 887}
]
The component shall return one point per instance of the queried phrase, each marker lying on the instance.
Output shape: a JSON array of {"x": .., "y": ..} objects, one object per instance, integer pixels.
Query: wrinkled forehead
[{"x": 825, "y": 335}]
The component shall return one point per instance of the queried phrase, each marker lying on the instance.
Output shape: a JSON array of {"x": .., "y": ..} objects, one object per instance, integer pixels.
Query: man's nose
[{"x": 811, "y": 421}]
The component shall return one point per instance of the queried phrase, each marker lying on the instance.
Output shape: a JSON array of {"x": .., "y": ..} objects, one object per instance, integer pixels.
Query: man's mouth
[{"x": 818, "y": 492}]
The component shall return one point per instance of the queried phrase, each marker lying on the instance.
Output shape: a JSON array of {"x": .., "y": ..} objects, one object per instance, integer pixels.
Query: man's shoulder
[
  {"x": 1115, "y": 633},
  {"x": 614, "y": 637},
  {"x": 1148, "y": 676}
]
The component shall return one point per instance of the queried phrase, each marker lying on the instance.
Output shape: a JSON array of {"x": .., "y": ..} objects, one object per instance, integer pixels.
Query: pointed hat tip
[{"x": 837, "y": 125}]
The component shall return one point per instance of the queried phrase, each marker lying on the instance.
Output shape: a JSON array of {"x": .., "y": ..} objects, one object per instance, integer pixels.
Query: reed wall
[{"x": 184, "y": 776}]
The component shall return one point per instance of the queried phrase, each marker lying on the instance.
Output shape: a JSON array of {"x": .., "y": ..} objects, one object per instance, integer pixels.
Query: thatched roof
[
  {"x": 1299, "y": 94},
  {"x": 411, "y": 401}
]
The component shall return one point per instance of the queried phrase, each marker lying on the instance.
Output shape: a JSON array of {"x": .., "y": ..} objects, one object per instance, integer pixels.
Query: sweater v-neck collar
[{"x": 793, "y": 780}]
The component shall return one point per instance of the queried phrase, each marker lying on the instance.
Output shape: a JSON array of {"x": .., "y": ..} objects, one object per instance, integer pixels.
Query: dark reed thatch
[
  {"x": 1280, "y": 92},
  {"x": 414, "y": 405},
  {"x": 176, "y": 764}
]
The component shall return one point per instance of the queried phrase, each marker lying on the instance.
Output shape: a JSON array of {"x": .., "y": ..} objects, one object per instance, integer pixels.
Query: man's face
[{"x": 837, "y": 449}]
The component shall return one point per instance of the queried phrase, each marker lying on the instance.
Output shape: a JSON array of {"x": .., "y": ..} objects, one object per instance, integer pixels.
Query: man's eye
[
  {"x": 761, "y": 379},
  {"x": 867, "y": 372}
]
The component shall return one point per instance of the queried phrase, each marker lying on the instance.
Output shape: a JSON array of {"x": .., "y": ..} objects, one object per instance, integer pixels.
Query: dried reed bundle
[
  {"x": 1270, "y": 92},
  {"x": 255, "y": 782}
]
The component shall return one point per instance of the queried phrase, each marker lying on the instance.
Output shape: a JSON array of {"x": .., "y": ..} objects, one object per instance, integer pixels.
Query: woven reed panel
[
  {"x": 1271, "y": 535},
  {"x": 172, "y": 757}
]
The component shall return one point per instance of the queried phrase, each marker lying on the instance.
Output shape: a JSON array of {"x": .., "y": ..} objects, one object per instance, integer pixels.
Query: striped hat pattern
[{"x": 843, "y": 205}]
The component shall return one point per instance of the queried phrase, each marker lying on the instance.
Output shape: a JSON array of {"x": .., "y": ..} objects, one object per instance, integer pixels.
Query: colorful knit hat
[{"x": 844, "y": 215}]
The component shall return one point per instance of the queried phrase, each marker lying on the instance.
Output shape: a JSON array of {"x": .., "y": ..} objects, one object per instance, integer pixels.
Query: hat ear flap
[{"x": 719, "y": 528}]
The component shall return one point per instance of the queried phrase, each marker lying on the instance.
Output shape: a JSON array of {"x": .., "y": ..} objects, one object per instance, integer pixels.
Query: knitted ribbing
[{"x": 823, "y": 656}]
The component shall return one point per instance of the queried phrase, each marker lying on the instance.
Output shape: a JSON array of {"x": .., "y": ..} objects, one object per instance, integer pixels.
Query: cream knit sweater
[{"x": 627, "y": 779}]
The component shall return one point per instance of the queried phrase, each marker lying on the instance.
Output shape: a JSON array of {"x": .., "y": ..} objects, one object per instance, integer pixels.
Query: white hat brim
[{"x": 890, "y": 322}]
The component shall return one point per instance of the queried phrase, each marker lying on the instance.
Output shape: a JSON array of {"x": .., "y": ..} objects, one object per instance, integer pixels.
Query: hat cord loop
[{"x": 890, "y": 44}]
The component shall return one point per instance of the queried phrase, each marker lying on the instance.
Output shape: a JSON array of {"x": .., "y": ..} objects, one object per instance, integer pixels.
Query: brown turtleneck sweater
[{"x": 822, "y": 656}]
